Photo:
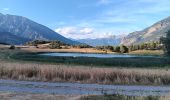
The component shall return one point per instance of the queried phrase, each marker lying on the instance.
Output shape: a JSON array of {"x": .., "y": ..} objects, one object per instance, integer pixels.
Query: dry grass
[
  {"x": 122, "y": 97},
  {"x": 148, "y": 52},
  {"x": 31, "y": 96},
  {"x": 61, "y": 73},
  {"x": 83, "y": 50}
]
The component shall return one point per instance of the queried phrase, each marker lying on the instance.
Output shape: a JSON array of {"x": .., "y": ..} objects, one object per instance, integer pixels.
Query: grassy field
[
  {"x": 80, "y": 50},
  {"x": 83, "y": 74},
  {"x": 147, "y": 52},
  {"x": 31, "y": 96},
  {"x": 121, "y": 97}
]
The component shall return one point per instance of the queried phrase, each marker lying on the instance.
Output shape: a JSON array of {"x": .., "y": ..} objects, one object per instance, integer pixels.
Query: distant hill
[
  {"x": 149, "y": 34},
  {"x": 111, "y": 40},
  {"x": 9, "y": 38},
  {"x": 21, "y": 27}
]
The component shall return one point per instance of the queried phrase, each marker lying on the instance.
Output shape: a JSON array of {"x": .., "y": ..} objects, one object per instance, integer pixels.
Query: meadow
[
  {"x": 82, "y": 74},
  {"x": 122, "y": 97}
]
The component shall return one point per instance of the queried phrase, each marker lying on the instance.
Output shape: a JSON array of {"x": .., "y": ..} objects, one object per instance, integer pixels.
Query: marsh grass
[
  {"x": 147, "y": 52},
  {"x": 122, "y": 97},
  {"x": 62, "y": 73}
]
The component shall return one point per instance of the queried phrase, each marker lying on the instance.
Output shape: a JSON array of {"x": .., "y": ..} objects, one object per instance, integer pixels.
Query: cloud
[
  {"x": 82, "y": 33},
  {"x": 66, "y": 30},
  {"x": 86, "y": 31},
  {"x": 74, "y": 32},
  {"x": 5, "y": 9}
]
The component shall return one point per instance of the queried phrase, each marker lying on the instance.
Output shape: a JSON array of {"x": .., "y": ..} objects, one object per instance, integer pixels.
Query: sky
[{"x": 80, "y": 19}]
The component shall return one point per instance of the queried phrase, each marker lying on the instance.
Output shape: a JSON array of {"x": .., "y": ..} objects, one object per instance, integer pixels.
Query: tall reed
[{"x": 62, "y": 73}]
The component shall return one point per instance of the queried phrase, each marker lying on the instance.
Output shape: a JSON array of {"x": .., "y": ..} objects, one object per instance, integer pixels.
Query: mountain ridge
[
  {"x": 26, "y": 28},
  {"x": 152, "y": 33},
  {"x": 9, "y": 38},
  {"x": 111, "y": 40}
]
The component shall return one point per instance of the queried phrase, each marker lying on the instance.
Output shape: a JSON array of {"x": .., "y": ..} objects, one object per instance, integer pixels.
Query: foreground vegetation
[
  {"x": 62, "y": 73},
  {"x": 121, "y": 97},
  {"x": 33, "y": 96}
]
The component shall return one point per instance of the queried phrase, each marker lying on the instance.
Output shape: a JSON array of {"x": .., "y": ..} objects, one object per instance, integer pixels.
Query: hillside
[
  {"x": 25, "y": 28},
  {"x": 9, "y": 38},
  {"x": 149, "y": 34},
  {"x": 112, "y": 40}
]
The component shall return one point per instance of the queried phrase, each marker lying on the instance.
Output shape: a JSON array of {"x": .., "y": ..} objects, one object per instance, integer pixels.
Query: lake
[{"x": 92, "y": 55}]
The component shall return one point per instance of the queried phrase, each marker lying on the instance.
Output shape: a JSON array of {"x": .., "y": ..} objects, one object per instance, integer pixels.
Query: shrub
[
  {"x": 166, "y": 43},
  {"x": 12, "y": 47}
]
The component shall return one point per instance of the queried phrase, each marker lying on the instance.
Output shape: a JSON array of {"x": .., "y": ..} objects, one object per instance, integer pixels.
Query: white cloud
[
  {"x": 5, "y": 9},
  {"x": 66, "y": 30},
  {"x": 74, "y": 30},
  {"x": 86, "y": 30},
  {"x": 82, "y": 33}
]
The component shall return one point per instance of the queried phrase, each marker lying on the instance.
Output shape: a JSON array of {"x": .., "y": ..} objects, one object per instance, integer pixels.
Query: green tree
[
  {"x": 111, "y": 48},
  {"x": 123, "y": 49},
  {"x": 55, "y": 45},
  {"x": 166, "y": 43},
  {"x": 141, "y": 46},
  {"x": 12, "y": 47},
  {"x": 117, "y": 49}
]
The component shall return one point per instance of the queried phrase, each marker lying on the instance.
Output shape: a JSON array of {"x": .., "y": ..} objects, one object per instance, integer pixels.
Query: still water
[{"x": 91, "y": 55}]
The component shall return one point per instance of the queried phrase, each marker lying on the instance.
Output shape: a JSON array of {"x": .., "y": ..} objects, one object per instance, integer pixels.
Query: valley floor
[{"x": 23, "y": 64}]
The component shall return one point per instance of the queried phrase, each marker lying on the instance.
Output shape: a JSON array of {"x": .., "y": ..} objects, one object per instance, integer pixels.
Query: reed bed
[
  {"x": 122, "y": 97},
  {"x": 63, "y": 73}
]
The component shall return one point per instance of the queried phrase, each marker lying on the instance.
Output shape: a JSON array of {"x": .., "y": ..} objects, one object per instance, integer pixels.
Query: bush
[
  {"x": 166, "y": 43},
  {"x": 12, "y": 47},
  {"x": 55, "y": 45},
  {"x": 123, "y": 49}
]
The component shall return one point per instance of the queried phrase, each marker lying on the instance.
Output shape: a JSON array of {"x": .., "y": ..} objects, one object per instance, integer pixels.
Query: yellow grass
[
  {"x": 148, "y": 52},
  {"x": 62, "y": 73},
  {"x": 83, "y": 50}
]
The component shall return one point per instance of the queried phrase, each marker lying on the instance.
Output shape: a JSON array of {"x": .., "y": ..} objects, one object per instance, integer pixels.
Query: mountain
[
  {"x": 149, "y": 34},
  {"x": 27, "y": 29},
  {"x": 9, "y": 38},
  {"x": 111, "y": 40}
]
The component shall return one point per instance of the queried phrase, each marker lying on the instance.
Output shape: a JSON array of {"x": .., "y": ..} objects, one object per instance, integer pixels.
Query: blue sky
[{"x": 80, "y": 19}]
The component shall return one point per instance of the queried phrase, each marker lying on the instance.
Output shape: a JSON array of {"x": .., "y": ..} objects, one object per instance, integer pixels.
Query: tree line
[
  {"x": 125, "y": 49},
  {"x": 163, "y": 44},
  {"x": 56, "y": 44}
]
